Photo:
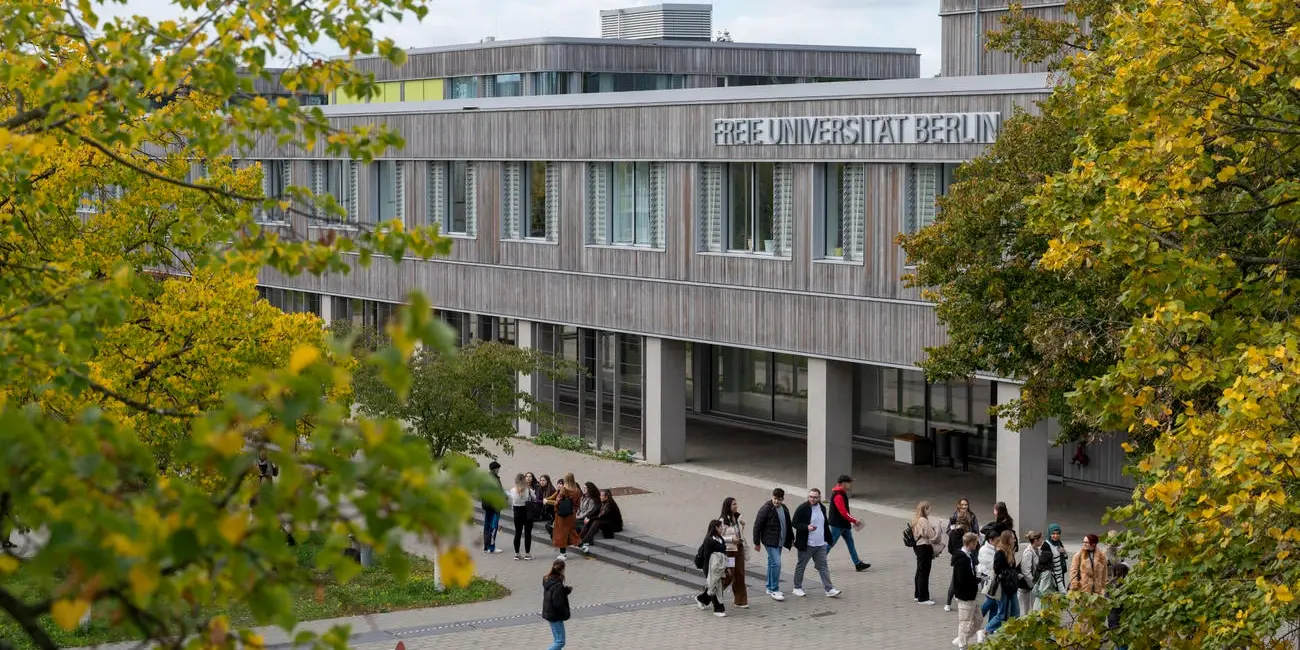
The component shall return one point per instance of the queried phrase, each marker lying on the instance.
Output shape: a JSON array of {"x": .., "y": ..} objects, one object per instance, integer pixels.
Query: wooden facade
[
  {"x": 648, "y": 56},
  {"x": 965, "y": 25},
  {"x": 800, "y": 304}
]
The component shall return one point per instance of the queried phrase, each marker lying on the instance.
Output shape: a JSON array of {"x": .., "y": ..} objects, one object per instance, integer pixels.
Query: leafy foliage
[
  {"x": 133, "y": 405},
  {"x": 460, "y": 401},
  {"x": 1185, "y": 180}
]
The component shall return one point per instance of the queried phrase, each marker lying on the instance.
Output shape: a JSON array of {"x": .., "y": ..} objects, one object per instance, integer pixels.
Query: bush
[{"x": 561, "y": 441}]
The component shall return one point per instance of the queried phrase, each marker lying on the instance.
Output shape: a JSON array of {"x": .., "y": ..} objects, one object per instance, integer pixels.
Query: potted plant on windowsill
[
  {"x": 911, "y": 449},
  {"x": 769, "y": 245}
]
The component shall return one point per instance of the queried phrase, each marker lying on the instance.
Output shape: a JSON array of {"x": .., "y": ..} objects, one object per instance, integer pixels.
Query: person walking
[
  {"x": 733, "y": 534},
  {"x": 492, "y": 516},
  {"x": 1088, "y": 568},
  {"x": 519, "y": 497},
  {"x": 842, "y": 523},
  {"x": 712, "y": 558},
  {"x": 1030, "y": 561},
  {"x": 956, "y": 536},
  {"x": 773, "y": 531},
  {"x": 555, "y": 603},
  {"x": 811, "y": 539},
  {"x": 966, "y": 588},
  {"x": 607, "y": 520},
  {"x": 930, "y": 541},
  {"x": 564, "y": 532}
]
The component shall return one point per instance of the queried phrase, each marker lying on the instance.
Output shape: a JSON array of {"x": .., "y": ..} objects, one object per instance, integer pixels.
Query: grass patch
[{"x": 374, "y": 590}]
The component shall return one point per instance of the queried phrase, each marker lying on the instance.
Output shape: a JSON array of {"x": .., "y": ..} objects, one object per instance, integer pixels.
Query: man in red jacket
[{"x": 841, "y": 523}]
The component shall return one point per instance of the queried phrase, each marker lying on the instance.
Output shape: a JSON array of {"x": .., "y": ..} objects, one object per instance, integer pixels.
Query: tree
[
  {"x": 723, "y": 36},
  {"x": 115, "y": 144},
  {"x": 460, "y": 401},
  {"x": 1186, "y": 181}
]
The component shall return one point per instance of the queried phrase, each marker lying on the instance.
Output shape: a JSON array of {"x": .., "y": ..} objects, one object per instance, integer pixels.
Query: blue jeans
[
  {"x": 557, "y": 633},
  {"x": 847, "y": 534},
  {"x": 491, "y": 522},
  {"x": 773, "y": 568},
  {"x": 1006, "y": 608}
]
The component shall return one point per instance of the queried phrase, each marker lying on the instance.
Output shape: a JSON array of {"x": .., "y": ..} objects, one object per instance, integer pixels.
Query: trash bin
[
  {"x": 959, "y": 449},
  {"x": 941, "y": 444}
]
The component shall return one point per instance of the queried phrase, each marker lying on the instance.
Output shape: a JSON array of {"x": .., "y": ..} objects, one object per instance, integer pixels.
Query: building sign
[{"x": 932, "y": 128}]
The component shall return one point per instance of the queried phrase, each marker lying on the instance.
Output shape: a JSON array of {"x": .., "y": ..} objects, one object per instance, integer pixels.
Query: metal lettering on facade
[{"x": 933, "y": 128}]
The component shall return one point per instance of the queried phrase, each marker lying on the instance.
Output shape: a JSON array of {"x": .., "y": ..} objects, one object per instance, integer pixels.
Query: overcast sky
[{"x": 871, "y": 23}]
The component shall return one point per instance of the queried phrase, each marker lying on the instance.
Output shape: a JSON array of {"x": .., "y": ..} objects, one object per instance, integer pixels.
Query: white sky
[{"x": 867, "y": 23}]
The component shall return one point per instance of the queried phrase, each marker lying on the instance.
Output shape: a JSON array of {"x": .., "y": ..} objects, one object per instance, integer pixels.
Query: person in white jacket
[
  {"x": 984, "y": 571},
  {"x": 1029, "y": 559}
]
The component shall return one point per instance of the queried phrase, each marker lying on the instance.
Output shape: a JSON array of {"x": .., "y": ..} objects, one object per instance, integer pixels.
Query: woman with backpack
[
  {"x": 1004, "y": 583},
  {"x": 928, "y": 541},
  {"x": 565, "y": 531},
  {"x": 555, "y": 603},
  {"x": 711, "y": 558}
]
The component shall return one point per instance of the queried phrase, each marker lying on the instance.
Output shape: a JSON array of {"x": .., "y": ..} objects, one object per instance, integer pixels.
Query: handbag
[{"x": 993, "y": 587}]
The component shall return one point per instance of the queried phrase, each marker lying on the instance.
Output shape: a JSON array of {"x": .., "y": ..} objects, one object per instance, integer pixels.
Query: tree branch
[
  {"x": 137, "y": 405},
  {"x": 25, "y": 615}
]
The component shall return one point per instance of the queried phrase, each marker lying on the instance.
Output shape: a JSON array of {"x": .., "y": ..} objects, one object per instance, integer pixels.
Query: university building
[{"x": 708, "y": 229}]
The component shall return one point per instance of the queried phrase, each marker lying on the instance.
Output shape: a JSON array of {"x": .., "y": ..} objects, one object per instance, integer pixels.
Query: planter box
[{"x": 911, "y": 449}]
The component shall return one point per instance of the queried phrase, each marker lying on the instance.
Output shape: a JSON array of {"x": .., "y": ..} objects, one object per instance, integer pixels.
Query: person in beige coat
[
  {"x": 930, "y": 541},
  {"x": 1088, "y": 569}
]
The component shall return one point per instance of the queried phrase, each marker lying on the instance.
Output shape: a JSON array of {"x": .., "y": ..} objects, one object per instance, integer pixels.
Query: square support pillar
[
  {"x": 525, "y": 333},
  {"x": 1022, "y": 468},
  {"x": 664, "y": 407},
  {"x": 326, "y": 309},
  {"x": 830, "y": 422}
]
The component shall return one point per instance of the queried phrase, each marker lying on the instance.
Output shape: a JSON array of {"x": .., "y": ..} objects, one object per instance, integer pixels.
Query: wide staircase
[{"x": 631, "y": 550}]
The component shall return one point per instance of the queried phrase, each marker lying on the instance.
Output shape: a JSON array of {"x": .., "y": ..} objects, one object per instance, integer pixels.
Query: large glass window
[
  {"x": 760, "y": 385},
  {"x": 463, "y": 88},
  {"x": 928, "y": 181},
  {"x": 749, "y": 207},
  {"x": 335, "y": 178},
  {"x": 551, "y": 83},
  {"x": 617, "y": 82},
  {"x": 630, "y": 192},
  {"x": 275, "y": 182},
  {"x": 833, "y": 210},
  {"x": 507, "y": 85},
  {"x": 537, "y": 203},
  {"x": 387, "y": 179},
  {"x": 457, "y": 190}
]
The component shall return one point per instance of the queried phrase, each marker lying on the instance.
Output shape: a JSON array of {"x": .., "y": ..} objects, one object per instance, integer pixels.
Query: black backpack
[
  {"x": 564, "y": 507},
  {"x": 909, "y": 537},
  {"x": 702, "y": 556}
]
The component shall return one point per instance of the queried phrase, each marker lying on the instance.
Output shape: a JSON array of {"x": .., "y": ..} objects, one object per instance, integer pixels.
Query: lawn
[{"x": 375, "y": 590}]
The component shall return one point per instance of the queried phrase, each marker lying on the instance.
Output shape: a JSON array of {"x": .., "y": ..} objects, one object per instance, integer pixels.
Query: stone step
[{"x": 632, "y": 551}]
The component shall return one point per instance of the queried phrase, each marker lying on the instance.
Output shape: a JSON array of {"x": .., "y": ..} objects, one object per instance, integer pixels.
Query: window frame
[
  {"x": 527, "y": 201},
  {"x": 755, "y": 171},
  {"x": 642, "y": 234}
]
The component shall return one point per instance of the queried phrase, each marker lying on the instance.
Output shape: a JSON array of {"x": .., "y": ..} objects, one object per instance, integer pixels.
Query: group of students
[
  {"x": 992, "y": 578},
  {"x": 571, "y": 514}
]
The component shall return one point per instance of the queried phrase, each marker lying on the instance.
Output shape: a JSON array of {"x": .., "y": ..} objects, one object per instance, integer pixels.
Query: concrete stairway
[{"x": 630, "y": 550}]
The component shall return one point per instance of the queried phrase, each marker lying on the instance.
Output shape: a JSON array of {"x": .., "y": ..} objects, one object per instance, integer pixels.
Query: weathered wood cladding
[
  {"x": 655, "y": 132},
  {"x": 799, "y": 323},
  {"x": 649, "y": 57},
  {"x": 964, "y": 49}
]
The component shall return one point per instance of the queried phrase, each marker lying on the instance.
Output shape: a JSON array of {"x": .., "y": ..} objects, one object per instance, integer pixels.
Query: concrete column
[
  {"x": 830, "y": 422},
  {"x": 326, "y": 309},
  {"x": 1022, "y": 468},
  {"x": 525, "y": 331},
  {"x": 664, "y": 407}
]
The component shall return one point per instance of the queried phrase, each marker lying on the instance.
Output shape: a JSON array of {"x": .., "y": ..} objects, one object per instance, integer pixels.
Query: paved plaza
[{"x": 619, "y": 608}]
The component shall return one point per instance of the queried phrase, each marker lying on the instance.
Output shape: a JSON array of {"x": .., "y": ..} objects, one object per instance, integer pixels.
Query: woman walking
[
  {"x": 713, "y": 552},
  {"x": 555, "y": 603},
  {"x": 733, "y": 534},
  {"x": 930, "y": 541},
  {"x": 519, "y": 496},
  {"x": 564, "y": 532}
]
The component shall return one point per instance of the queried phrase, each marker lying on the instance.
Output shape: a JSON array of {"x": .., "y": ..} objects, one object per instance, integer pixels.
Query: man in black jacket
[
  {"x": 491, "y": 516},
  {"x": 966, "y": 587},
  {"x": 773, "y": 531},
  {"x": 812, "y": 536}
]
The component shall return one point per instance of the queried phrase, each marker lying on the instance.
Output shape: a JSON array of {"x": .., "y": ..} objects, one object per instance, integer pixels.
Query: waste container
[
  {"x": 941, "y": 444},
  {"x": 959, "y": 448}
]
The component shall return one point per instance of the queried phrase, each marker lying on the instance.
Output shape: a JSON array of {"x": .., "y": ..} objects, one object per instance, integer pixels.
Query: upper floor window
[
  {"x": 462, "y": 88},
  {"x": 452, "y": 203},
  {"x": 506, "y": 85},
  {"x": 625, "y": 203},
  {"x": 746, "y": 208},
  {"x": 531, "y": 202},
  {"x": 551, "y": 83},
  {"x": 925, "y": 184},
  {"x": 388, "y": 177},
  {"x": 276, "y": 178},
  {"x": 618, "y": 82},
  {"x": 337, "y": 179},
  {"x": 842, "y": 213}
]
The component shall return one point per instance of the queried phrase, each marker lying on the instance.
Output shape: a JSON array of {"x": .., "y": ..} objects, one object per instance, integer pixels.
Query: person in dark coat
[
  {"x": 966, "y": 587},
  {"x": 774, "y": 531},
  {"x": 607, "y": 520},
  {"x": 555, "y": 602}
]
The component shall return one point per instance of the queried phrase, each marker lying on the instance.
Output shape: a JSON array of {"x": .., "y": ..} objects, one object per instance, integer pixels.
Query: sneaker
[
  {"x": 980, "y": 635},
  {"x": 743, "y": 606},
  {"x": 518, "y": 557},
  {"x": 956, "y": 641},
  {"x": 947, "y": 608},
  {"x": 720, "y": 614},
  {"x": 562, "y": 557},
  {"x": 833, "y": 593},
  {"x": 862, "y": 566},
  {"x": 700, "y": 604},
  {"x": 776, "y": 595},
  {"x": 799, "y": 592},
  {"x": 586, "y": 548},
  {"x": 927, "y": 602},
  {"x": 528, "y": 558},
  {"x": 492, "y": 551}
]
